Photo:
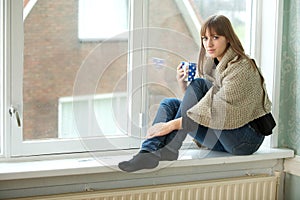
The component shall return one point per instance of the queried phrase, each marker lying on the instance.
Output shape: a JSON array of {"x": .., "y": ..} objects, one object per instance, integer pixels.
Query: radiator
[{"x": 242, "y": 188}]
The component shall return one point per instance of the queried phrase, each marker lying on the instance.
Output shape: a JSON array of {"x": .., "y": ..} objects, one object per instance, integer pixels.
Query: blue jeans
[{"x": 239, "y": 141}]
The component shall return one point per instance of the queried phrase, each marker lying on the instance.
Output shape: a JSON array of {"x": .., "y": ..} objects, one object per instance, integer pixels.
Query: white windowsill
[{"x": 97, "y": 163}]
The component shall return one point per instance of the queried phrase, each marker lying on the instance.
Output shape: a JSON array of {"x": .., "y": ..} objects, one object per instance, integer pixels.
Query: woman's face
[{"x": 215, "y": 45}]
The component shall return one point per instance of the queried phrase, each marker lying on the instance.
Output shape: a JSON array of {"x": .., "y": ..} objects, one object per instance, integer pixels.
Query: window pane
[
  {"x": 175, "y": 39},
  {"x": 73, "y": 88}
]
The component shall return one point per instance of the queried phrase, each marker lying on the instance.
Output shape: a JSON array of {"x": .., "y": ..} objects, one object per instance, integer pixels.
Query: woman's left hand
[{"x": 158, "y": 129}]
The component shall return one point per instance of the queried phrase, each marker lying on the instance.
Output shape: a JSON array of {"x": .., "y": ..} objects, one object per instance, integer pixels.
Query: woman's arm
[{"x": 164, "y": 128}]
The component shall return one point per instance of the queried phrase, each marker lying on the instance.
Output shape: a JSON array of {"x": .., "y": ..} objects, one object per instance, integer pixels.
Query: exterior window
[
  {"x": 80, "y": 84},
  {"x": 74, "y": 93}
]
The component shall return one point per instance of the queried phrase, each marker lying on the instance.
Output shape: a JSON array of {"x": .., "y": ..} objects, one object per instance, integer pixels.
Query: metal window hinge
[{"x": 13, "y": 112}]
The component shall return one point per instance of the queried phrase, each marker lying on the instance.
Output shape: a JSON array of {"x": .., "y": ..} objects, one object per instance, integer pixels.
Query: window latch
[{"x": 13, "y": 112}]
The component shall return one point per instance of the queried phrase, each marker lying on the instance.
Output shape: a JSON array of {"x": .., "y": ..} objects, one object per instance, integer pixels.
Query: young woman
[{"x": 216, "y": 109}]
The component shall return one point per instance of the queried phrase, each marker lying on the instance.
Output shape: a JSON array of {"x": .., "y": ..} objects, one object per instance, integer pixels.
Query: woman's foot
[{"x": 143, "y": 160}]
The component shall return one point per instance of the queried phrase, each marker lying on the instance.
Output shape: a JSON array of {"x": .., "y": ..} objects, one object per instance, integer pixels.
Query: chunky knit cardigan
[{"x": 238, "y": 94}]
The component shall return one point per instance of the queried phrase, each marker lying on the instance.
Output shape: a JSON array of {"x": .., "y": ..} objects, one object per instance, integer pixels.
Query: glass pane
[
  {"x": 74, "y": 81},
  {"x": 173, "y": 37}
]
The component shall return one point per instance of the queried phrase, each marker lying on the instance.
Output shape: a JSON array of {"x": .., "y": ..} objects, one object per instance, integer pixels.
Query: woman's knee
[
  {"x": 201, "y": 83},
  {"x": 170, "y": 102}
]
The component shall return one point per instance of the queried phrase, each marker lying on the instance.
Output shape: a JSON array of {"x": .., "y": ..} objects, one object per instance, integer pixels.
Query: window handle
[{"x": 13, "y": 111}]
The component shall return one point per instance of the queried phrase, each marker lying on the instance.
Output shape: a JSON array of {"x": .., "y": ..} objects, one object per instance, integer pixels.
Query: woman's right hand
[{"x": 181, "y": 75}]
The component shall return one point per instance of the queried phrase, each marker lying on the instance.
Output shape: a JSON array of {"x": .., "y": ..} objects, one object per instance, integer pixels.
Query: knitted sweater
[{"x": 238, "y": 95}]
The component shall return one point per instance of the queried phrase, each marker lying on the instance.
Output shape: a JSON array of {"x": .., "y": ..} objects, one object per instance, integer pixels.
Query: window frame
[
  {"x": 16, "y": 147},
  {"x": 13, "y": 144}
]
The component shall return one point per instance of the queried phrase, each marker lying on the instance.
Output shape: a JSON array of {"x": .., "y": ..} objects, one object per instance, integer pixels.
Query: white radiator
[{"x": 242, "y": 188}]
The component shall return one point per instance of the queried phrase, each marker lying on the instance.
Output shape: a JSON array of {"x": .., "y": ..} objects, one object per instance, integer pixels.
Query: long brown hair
[{"x": 222, "y": 26}]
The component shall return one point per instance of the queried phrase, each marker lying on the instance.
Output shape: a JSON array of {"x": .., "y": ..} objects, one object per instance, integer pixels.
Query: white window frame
[
  {"x": 16, "y": 146},
  {"x": 13, "y": 59}
]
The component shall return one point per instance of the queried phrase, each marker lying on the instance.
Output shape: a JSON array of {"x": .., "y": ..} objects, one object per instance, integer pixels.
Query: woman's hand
[
  {"x": 158, "y": 129},
  {"x": 180, "y": 76},
  {"x": 164, "y": 128}
]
